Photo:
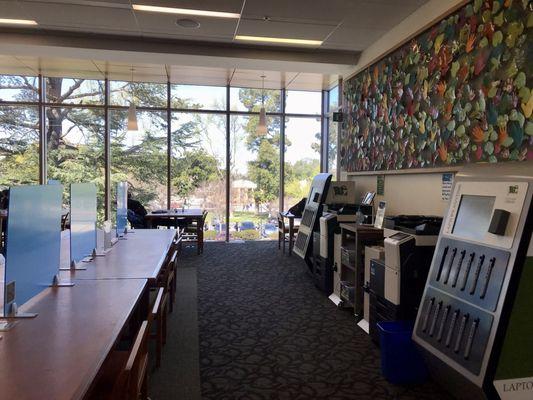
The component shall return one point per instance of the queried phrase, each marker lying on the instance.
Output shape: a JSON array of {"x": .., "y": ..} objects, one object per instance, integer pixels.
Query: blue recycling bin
[{"x": 401, "y": 363}]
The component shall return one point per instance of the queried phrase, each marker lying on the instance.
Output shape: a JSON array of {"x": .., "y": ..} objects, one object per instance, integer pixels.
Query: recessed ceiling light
[
  {"x": 278, "y": 40},
  {"x": 17, "y": 21},
  {"x": 185, "y": 11},
  {"x": 188, "y": 23}
]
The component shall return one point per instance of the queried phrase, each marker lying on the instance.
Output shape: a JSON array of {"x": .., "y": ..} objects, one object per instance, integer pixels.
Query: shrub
[
  {"x": 210, "y": 235},
  {"x": 247, "y": 235}
]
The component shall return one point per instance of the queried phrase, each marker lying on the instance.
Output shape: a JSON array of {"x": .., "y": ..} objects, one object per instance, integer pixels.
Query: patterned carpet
[{"x": 267, "y": 333}]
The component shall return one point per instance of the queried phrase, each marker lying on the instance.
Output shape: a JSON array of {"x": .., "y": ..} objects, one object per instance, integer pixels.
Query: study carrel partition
[
  {"x": 122, "y": 208},
  {"x": 82, "y": 222},
  {"x": 33, "y": 243}
]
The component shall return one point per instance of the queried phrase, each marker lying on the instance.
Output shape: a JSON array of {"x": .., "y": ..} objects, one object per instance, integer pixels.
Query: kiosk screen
[{"x": 473, "y": 217}]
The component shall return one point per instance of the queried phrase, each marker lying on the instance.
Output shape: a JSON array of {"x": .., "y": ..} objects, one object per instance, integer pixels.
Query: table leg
[
  {"x": 291, "y": 234},
  {"x": 199, "y": 237}
]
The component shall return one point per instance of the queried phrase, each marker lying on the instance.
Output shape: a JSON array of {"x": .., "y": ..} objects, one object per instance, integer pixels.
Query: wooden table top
[
  {"x": 139, "y": 256},
  {"x": 58, "y": 354},
  {"x": 177, "y": 212}
]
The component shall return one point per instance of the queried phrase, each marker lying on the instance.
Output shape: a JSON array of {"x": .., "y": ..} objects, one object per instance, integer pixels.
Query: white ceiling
[
  {"x": 93, "y": 69},
  {"x": 343, "y": 25}
]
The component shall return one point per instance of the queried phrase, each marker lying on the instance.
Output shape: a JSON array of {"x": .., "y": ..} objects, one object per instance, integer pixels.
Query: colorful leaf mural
[{"x": 460, "y": 92}]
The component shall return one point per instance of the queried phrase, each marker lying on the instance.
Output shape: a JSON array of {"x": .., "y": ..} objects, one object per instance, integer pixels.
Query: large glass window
[
  {"x": 74, "y": 91},
  {"x": 75, "y": 140},
  {"x": 142, "y": 94},
  {"x": 19, "y": 145},
  {"x": 302, "y": 157},
  {"x": 140, "y": 157},
  {"x": 255, "y": 170},
  {"x": 19, "y": 88},
  {"x": 198, "y": 97},
  {"x": 74, "y": 134},
  {"x": 333, "y": 130},
  {"x": 198, "y": 167},
  {"x": 250, "y": 100},
  {"x": 303, "y": 102}
]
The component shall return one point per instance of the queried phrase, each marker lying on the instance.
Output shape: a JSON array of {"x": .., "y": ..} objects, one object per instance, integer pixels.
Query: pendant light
[
  {"x": 132, "y": 111},
  {"x": 261, "y": 129}
]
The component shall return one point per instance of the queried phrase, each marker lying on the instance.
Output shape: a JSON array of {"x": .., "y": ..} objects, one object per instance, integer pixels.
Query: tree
[
  {"x": 264, "y": 170},
  {"x": 75, "y": 137}
]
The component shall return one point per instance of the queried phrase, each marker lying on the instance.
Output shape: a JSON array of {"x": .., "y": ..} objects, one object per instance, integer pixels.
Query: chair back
[
  {"x": 204, "y": 216},
  {"x": 132, "y": 379},
  {"x": 281, "y": 223},
  {"x": 64, "y": 220}
]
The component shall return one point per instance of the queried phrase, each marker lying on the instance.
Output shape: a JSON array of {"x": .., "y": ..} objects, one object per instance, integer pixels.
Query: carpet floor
[{"x": 265, "y": 332}]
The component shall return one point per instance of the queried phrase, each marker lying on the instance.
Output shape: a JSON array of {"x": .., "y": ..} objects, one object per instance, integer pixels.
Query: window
[
  {"x": 75, "y": 140},
  {"x": 250, "y": 100},
  {"x": 140, "y": 93},
  {"x": 302, "y": 157},
  {"x": 255, "y": 171},
  {"x": 74, "y": 134},
  {"x": 140, "y": 157},
  {"x": 74, "y": 91},
  {"x": 303, "y": 102},
  {"x": 198, "y": 97},
  {"x": 19, "y": 145},
  {"x": 333, "y": 130},
  {"x": 19, "y": 88},
  {"x": 198, "y": 167}
]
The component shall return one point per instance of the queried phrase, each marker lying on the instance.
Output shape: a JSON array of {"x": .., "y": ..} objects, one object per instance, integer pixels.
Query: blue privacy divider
[
  {"x": 122, "y": 207},
  {"x": 33, "y": 241},
  {"x": 82, "y": 220}
]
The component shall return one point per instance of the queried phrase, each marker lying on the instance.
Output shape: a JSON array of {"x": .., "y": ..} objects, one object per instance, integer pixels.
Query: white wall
[{"x": 418, "y": 194}]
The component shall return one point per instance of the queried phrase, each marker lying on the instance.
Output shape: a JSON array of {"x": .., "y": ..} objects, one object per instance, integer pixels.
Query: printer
[{"x": 397, "y": 282}]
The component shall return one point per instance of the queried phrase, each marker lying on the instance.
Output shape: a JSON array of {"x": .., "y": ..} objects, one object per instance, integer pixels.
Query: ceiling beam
[{"x": 57, "y": 39}]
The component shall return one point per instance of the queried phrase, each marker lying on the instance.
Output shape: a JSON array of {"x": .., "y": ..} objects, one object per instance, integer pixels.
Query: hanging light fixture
[
  {"x": 132, "y": 111},
  {"x": 262, "y": 125}
]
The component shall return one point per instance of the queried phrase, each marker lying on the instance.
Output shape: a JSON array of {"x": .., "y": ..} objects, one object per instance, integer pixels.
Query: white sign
[{"x": 515, "y": 389}]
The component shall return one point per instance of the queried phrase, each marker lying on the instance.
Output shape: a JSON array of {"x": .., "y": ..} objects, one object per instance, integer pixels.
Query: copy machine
[{"x": 396, "y": 283}]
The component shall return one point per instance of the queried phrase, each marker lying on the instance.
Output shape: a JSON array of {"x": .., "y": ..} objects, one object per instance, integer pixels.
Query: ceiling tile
[
  {"x": 326, "y": 12},
  {"x": 284, "y": 29},
  {"x": 166, "y": 23},
  {"x": 252, "y": 78},
  {"x": 124, "y": 70},
  {"x": 200, "y": 76},
  {"x": 10, "y": 65},
  {"x": 308, "y": 81},
  {"x": 233, "y": 6},
  {"x": 348, "y": 38},
  {"x": 12, "y": 9},
  {"x": 78, "y": 16}
]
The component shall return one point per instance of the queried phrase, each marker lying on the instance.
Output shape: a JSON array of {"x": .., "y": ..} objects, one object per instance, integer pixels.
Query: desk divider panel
[
  {"x": 33, "y": 242},
  {"x": 82, "y": 220},
  {"x": 122, "y": 208}
]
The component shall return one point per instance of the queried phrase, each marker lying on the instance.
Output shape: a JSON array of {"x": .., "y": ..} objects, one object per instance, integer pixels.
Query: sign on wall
[{"x": 458, "y": 93}]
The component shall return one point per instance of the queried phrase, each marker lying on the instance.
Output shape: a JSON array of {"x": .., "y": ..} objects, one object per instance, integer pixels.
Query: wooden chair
[
  {"x": 124, "y": 374},
  {"x": 283, "y": 232},
  {"x": 286, "y": 232},
  {"x": 65, "y": 221},
  {"x": 167, "y": 279},
  {"x": 194, "y": 233},
  {"x": 158, "y": 317}
]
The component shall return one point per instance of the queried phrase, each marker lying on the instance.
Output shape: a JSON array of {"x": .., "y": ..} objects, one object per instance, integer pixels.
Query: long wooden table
[
  {"x": 139, "y": 256},
  {"x": 187, "y": 215},
  {"x": 58, "y": 354}
]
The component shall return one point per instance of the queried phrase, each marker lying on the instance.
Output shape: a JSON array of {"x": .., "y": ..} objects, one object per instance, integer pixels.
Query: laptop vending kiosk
[{"x": 475, "y": 321}]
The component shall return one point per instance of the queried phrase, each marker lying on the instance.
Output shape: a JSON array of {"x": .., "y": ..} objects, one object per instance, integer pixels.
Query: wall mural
[{"x": 460, "y": 92}]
